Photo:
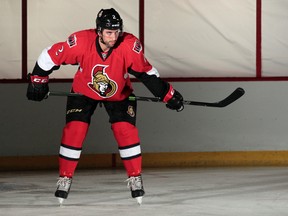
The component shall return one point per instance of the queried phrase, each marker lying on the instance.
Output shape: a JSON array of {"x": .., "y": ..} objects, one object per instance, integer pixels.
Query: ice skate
[
  {"x": 63, "y": 188},
  {"x": 135, "y": 184}
]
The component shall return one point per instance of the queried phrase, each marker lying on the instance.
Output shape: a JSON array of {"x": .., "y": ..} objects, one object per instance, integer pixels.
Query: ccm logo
[{"x": 39, "y": 80}]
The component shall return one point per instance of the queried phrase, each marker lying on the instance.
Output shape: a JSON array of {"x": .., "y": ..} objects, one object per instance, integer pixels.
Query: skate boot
[
  {"x": 63, "y": 188},
  {"x": 135, "y": 184}
]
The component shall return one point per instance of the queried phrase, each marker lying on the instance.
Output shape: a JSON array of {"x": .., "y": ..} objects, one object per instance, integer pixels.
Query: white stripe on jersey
[
  {"x": 153, "y": 71},
  {"x": 70, "y": 153},
  {"x": 44, "y": 61},
  {"x": 130, "y": 152}
]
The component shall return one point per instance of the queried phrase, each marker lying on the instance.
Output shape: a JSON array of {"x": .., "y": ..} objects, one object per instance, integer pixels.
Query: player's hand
[
  {"x": 176, "y": 102},
  {"x": 37, "y": 87}
]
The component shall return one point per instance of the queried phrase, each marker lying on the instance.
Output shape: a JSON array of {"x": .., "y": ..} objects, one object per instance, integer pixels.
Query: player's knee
[
  {"x": 74, "y": 132},
  {"x": 125, "y": 133}
]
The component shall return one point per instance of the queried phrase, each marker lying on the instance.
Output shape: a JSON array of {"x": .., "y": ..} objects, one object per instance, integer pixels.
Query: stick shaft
[
  {"x": 67, "y": 94},
  {"x": 235, "y": 95}
]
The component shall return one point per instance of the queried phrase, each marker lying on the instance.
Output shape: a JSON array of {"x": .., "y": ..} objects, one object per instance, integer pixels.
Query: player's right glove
[{"x": 37, "y": 87}]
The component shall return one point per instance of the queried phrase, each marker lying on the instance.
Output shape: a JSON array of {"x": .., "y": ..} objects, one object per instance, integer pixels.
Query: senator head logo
[{"x": 101, "y": 83}]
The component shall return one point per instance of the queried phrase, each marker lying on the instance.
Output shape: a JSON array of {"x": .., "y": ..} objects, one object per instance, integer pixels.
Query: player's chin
[{"x": 112, "y": 43}]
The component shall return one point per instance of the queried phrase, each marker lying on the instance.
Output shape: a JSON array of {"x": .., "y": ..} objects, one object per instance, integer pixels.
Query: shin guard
[
  {"x": 73, "y": 136},
  {"x": 128, "y": 141}
]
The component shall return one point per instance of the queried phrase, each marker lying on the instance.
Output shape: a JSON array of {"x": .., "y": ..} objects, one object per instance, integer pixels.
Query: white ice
[{"x": 191, "y": 191}]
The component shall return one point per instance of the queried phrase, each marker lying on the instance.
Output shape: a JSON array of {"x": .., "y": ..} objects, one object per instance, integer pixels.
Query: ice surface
[{"x": 192, "y": 191}]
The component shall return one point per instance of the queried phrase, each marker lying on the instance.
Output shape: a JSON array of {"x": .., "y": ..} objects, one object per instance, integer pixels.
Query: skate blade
[
  {"x": 61, "y": 201},
  {"x": 139, "y": 200}
]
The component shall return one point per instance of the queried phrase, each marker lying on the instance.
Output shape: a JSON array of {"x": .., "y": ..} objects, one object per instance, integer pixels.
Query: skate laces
[
  {"x": 64, "y": 183},
  {"x": 134, "y": 183}
]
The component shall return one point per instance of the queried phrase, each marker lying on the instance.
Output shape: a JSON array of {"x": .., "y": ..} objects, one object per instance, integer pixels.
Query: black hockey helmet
[{"x": 108, "y": 19}]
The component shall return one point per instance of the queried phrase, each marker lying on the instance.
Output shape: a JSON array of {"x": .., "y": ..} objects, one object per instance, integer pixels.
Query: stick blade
[
  {"x": 235, "y": 95},
  {"x": 239, "y": 92}
]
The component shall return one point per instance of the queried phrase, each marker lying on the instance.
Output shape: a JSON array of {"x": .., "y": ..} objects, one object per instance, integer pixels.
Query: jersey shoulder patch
[
  {"x": 132, "y": 42},
  {"x": 76, "y": 37},
  {"x": 137, "y": 47},
  {"x": 72, "y": 40}
]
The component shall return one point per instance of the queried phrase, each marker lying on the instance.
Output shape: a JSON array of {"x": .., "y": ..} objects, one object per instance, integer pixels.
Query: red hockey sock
[
  {"x": 73, "y": 136},
  {"x": 128, "y": 141}
]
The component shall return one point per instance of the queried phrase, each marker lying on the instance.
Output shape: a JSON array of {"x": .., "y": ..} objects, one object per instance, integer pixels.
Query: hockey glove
[
  {"x": 176, "y": 102},
  {"x": 37, "y": 87}
]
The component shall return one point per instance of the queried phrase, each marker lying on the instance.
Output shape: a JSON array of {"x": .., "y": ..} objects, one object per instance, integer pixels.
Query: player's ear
[{"x": 99, "y": 32}]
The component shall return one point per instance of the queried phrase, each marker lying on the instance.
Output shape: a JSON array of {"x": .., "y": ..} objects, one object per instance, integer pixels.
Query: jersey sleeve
[
  {"x": 51, "y": 58},
  {"x": 145, "y": 72}
]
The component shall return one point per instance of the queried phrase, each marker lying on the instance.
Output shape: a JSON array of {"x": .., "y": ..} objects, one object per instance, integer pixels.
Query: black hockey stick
[
  {"x": 235, "y": 95},
  {"x": 60, "y": 93}
]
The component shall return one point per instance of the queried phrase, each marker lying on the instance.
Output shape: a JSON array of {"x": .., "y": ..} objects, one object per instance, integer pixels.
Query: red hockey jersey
[{"x": 101, "y": 76}]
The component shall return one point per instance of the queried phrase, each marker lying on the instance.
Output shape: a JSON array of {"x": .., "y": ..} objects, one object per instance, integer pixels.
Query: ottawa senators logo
[
  {"x": 130, "y": 111},
  {"x": 101, "y": 83}
]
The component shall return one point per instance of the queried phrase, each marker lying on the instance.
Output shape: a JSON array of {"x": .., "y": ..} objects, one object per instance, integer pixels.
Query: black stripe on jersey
[
  {"x": 40, "y": 72},
  {"x": 156, "y": 85}
]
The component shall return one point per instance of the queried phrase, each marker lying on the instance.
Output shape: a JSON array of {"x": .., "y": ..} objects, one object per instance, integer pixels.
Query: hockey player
[{"x": 105, "y": 57}]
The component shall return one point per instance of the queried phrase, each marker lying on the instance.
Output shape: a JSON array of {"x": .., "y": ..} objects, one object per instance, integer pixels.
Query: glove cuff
[
  {"x": 169, "y": 94},
  {"x": 39, "y": 79}
]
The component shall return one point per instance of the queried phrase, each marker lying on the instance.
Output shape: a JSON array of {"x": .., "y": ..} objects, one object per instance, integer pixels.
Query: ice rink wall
[{"x": 205, "y": 48}]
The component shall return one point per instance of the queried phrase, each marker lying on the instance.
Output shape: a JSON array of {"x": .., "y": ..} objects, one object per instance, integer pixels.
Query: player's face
[{"x": 109, "y": 37}]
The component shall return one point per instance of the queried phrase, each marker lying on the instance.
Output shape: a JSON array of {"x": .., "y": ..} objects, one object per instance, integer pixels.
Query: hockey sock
[
  {"x": 128, "y": 141},
  {"x": 73, "y": 136}
]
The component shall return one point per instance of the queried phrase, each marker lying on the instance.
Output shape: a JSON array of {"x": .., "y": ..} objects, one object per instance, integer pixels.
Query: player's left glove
[
  {"x": 37, "y": 87},
  {"x": 174, "y": 100}
]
